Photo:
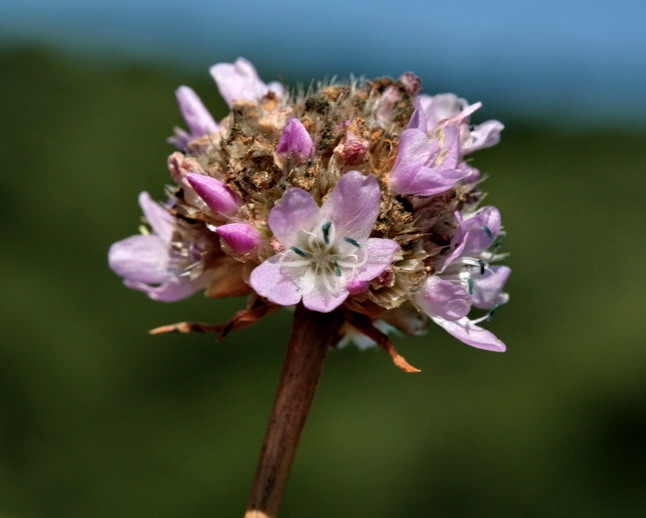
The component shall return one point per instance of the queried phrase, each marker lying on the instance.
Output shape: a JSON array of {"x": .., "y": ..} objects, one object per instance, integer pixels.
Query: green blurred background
[{"x": 99, "y": 419}]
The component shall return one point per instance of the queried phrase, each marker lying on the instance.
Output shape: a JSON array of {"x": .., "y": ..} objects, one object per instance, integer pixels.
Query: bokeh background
[{"x": 99, "y": 419}]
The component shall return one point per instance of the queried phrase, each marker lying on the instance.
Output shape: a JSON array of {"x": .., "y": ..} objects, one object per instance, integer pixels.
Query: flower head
[{"x": 352, "y": 197}]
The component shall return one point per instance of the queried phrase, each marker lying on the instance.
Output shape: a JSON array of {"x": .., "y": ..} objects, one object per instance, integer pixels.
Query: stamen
[
  {"x": 298, "y": 251},
  {"x": 326, "y": 232},
  {"x": 470, "y": 285},
  {"x": 483, "y": 266},
  {"x": 352, "y": 241},
  {"x": 488, "y": 232},
  {"x": 337, "y": 269},
  {"x": 491, "y": 312}
]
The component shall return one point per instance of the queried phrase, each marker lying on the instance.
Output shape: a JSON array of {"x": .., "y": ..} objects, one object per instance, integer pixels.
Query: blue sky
[{"x": 567, "y": 59}]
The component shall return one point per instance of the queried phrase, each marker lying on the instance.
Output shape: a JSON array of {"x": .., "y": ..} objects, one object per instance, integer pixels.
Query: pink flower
[
  {"x": 147, "y": 262},
  {"x": 241, "y": 81},
  {"x": 327, "y": 248},
  {"x": 198, "y": 119},
  {"x": 466, "y": 279}
]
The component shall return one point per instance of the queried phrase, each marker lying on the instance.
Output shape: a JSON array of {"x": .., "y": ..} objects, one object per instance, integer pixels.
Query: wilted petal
[
  {"x": 197, "y": 117},
  {"x": 295, "y": 139},
  {"x": 159, "y": 219},
  {"x": 140, "y": 258},
  {"x": 241, "y": 237},
  {"x": 296, "y": 211},
  {"x": 379, "y": 256},
  {"x": 269, "y": 281},
  {"x": 443, "y": 299},
  {"x": 487, "y": 288},
  {"x": 216, "y": 194},
  {"x": 353, "y": 205},
  {"x": 471, "y": 334}
]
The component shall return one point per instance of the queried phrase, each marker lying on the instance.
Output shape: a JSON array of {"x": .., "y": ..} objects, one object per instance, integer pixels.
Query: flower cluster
[{"x": 355, "y": 197}]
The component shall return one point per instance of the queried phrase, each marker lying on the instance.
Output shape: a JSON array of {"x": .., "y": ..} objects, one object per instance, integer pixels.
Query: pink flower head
[
  {"x": 147, "y": 263},
  {"x": 295, "y": 140},
  {"x": 427, "y": 165},
  {"x": 327, "y": 249},
  {"x": 241, "y": 81},
  {"x": 466, "y": 279}
]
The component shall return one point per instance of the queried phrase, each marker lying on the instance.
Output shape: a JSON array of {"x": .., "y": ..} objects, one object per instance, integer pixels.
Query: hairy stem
[{"x": 312, "y": 335}]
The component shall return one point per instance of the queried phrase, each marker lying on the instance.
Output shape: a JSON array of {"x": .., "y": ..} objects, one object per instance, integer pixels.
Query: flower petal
[
  {"x": 174, "y": 289},
  {"x": 295, "y": 212},
  {"x": 379, "y": 256},
  {"x": 443, "y": 299},
  {"x": 141, "y": 259},
  {"x": 159, "y": 219},
  {"x": 295, "y": 139},
  {"x": 241, "y": 237},
  {"x": 479, "y": 231},
  {"x": 197, "y": 117},
  {"x": 324, "y": 301},
  {"x": 471, "y": 334},
  {"x": 268, "y": 280},
  {"x": 353, "y": 206},
  {"x": 240, "y": 81},
  {"x": 487, "y": 288},
  {"x": 483, "y": 136},
  {"x": 216, "y": 194}
]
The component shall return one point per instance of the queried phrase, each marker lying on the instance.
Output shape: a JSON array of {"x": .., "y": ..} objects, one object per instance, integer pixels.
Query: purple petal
[
  {"x": 428, "y": 181},
  {"x": 241, "y": 237},
  {"x": 159, "y": 219},
  {"x": 487, "y": 288},
  {"x": 295, "y": 139},
  {"x": 324, "y": 301},
  {"x": 418, "y": 120},
  {"x": 216, "y": 194},
  {"x": 425, "y": 167},
  {"x": 239, "y": 81},
  {"x": 379, "y": 256},
  {"x": 197, "y": 117},
  {"x": 140, "y": 258},
  {"x": 174, "y": 289},
  {"x": 295, "y": 212},
  {"x": 269, "y": 281},
  {"x": 440, "y": 107},
  {"x": 355, "y": 286},
  {"x": 353, "y": 205},
  {"x": 471, "y": 334},
  {"x": 479, "y": 231},
  {"x": 483, "y": 136},
  {"x": 443, "y": 299}
]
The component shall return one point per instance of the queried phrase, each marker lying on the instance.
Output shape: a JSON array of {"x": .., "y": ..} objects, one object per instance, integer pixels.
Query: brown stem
[{"x": 312, "y": 335}]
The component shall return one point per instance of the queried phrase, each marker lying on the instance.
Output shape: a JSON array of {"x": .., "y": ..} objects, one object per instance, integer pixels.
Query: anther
[
  {"x": 352, "y": 241},
  {"x": 326, "y": 232},
  {"x": 488, "y": 232},
  {"x": 298, "y": 251}
]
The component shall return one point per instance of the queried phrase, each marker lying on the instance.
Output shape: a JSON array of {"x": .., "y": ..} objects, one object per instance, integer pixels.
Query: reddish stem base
[{"x": 312, "y": 335}]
